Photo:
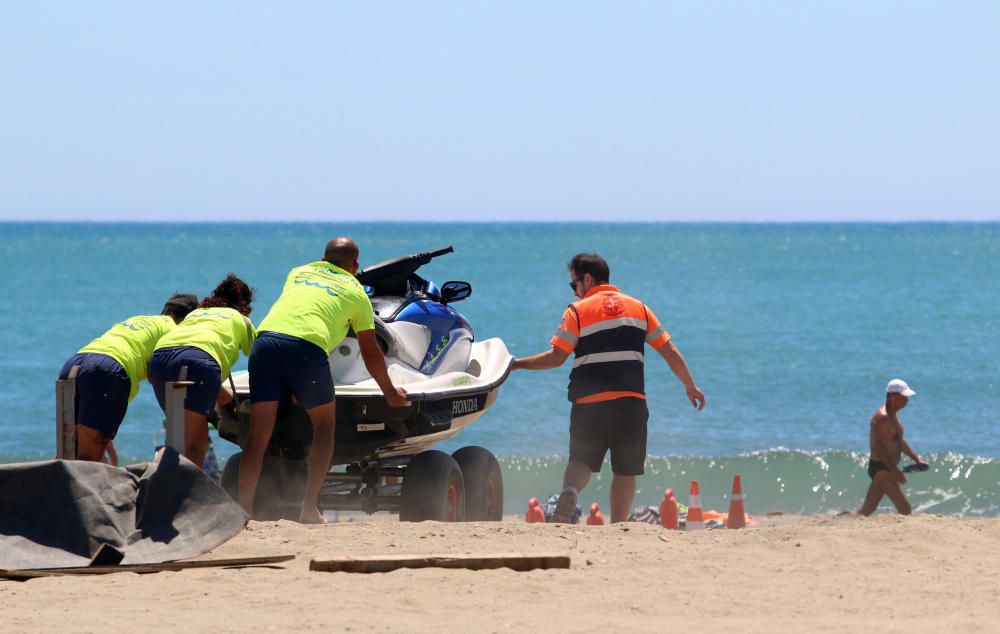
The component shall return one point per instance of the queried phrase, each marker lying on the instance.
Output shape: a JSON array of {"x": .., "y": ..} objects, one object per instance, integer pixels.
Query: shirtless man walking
[{"x": 887, "y": 447}]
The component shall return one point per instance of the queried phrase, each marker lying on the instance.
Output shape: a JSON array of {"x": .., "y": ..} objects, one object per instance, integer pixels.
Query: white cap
[{"x": 899, "y": 386}]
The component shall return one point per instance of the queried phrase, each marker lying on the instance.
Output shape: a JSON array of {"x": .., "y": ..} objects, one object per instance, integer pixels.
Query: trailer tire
[
  {"x": 433, "y": 489},
  {"x": 279, "y": 490},
  {"x": 483, "y": 484}
]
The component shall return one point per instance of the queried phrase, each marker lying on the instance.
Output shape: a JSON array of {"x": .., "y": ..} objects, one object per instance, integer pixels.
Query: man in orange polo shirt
[{"x": 608, "y": 331}]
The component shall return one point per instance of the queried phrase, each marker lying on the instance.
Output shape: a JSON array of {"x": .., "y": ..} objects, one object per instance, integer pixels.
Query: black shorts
[
  {"x": 618, "y": 425},
  {"x": 102, "y": 391},
  {"x": 204, "y": 371},
  {"x": 282, "y": 365}
]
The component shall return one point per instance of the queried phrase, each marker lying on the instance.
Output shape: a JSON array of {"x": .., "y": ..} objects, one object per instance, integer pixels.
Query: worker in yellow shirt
[
  {"x": 208, "y": 342},
  {"x": 111, "y": 369},
  {"x": 318, "y": 304}
]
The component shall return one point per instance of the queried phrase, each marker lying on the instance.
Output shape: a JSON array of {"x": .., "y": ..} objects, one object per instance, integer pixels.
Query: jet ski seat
[{"x": 386, "y": 338}]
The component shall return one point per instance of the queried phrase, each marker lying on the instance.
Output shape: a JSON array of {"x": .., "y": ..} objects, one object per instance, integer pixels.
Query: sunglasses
[{"x": 572, "y": 285}]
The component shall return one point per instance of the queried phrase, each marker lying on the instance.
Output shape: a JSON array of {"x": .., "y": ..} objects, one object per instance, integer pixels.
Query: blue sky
[{"x": 489, "y": 111}]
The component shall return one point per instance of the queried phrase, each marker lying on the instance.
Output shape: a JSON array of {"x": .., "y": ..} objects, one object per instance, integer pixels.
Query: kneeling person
[{"x": 318, "y": 304}]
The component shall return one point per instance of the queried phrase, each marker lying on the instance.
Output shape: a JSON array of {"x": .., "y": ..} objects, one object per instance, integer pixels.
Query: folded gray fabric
[{"x": 56, "y": 514}]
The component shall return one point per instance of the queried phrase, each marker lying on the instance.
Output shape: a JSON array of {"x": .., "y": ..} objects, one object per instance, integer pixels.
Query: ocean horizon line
[{"x": 466, "y": 222}]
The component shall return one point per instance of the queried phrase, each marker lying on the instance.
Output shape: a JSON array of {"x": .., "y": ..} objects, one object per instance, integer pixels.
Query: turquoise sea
[{"x": 792, "y": 331}]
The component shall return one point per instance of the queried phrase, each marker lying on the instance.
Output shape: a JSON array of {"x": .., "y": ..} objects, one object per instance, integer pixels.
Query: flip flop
[
  {"x": 916, "y": 467},
  {"x": 564, "y": 507}
]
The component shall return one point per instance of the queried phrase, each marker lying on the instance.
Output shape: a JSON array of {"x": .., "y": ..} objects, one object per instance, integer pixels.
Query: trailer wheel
[
  {"x": 483, "y": 484},
  {"x": 433, "y": 489},
  {"x": 279, "y": 490}
]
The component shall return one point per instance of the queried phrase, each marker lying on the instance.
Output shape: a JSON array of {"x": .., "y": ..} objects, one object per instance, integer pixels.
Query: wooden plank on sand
[
  {"x": 388, "y": 563},
  {"x": 21, "y": 575}
]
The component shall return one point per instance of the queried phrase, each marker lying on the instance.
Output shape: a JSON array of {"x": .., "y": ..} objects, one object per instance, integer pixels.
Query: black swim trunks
[{"x": 874, "y": 466}]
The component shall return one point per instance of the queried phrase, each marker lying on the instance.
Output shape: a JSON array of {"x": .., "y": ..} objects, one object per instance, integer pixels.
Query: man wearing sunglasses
[{"x": 607, "y": 330}]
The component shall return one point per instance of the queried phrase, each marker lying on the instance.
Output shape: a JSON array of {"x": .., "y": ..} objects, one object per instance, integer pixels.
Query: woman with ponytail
[{"x": 208, "y": 342}]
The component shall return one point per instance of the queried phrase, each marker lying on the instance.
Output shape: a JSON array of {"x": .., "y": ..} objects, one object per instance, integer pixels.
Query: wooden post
[
  {"x": 66, "y": 416},
  {"x": 175, "y": 392}
]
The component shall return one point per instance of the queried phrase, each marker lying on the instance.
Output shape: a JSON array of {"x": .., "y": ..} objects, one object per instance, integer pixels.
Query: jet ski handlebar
[
  {"x": 440, "y": 252},
  {"x": 425, "y": 257},
  {"x": 390, "y": 274}
]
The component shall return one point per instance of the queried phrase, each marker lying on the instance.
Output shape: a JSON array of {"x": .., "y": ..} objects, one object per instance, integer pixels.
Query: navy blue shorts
[
  {"x": 102, "y": 390},
  {"x": 202, "y": 369},
  {"x": 282, "y": 365},
  {"x": 618, "y": 425}
]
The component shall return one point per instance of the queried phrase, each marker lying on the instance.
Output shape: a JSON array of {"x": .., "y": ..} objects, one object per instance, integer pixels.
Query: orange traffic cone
[
  {"x": 695, "y": 520},
  {"x": 595, "y": 518},
  {"x": 736, "y": 517},
  {"x": 535, "y": 514},
  {"x": 668, "y": 510}
]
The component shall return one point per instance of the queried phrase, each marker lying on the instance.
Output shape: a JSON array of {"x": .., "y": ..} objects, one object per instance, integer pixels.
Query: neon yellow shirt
[
  {"x": 130, "y": 343},
  {"x": 319, "y": 302},
  {"x": 221, "y": 332}
]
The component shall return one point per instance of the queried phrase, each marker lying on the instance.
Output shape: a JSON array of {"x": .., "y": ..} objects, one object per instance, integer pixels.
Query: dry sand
[{"x": 790, "y": 574}]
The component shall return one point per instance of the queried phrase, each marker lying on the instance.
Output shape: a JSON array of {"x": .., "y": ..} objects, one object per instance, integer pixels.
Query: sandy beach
[{"x": 790, "y": 573}]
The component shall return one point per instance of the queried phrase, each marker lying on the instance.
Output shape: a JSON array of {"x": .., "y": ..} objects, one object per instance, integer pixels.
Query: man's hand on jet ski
[
  {"x": 396, "y": 398},
  {"x": 375, "y": 363}
]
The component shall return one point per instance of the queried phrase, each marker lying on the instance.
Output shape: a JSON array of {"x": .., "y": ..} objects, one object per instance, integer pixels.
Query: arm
[
  {"x": 563, "y": 342},
  {"x": 375, "y": 363},
  {"x": 679, "y": 367},
  {"x": 552, "y": 358}
]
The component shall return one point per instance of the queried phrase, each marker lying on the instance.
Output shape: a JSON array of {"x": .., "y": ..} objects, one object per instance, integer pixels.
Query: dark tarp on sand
[{"x": 56, "y": 514}]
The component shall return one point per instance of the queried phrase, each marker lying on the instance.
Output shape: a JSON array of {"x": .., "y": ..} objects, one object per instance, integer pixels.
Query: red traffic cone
[
  {"x": 595, "y": 518},
  {"x": 668, "y": 510},
  {"x": 736, "y": 517},
  {"x": 695, "y": 520},
  {"x": 535, "y": 514}
]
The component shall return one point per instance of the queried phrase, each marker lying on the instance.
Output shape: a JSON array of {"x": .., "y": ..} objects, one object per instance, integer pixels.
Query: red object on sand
[
  {"x": 695, "y": 519},
  {"x": 595, "y": 518},
  {"x": 668, "y": 511},
  {"x": 535, "y": 514},
  {"x": 736, "y": 517}
]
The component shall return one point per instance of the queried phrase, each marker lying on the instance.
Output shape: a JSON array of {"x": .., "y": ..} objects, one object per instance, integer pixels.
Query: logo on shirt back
[
  {"x": 613, "y": 305},
  {"x": 210, "y": 313},
  {"x": 135, "y": 324},
  {"x": 304, "y": 280}
]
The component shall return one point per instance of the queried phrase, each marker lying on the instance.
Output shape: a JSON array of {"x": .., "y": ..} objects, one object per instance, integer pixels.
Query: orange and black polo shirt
[{"x": 608, "y": 331}]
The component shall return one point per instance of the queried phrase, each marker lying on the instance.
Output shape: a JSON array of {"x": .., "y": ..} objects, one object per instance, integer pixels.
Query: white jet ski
[{"x": 382, "y": 456}]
